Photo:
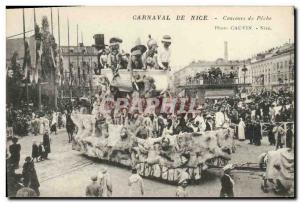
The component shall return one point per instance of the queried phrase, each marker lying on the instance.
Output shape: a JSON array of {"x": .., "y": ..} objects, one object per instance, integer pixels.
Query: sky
[{"x": 191, "y": 40}]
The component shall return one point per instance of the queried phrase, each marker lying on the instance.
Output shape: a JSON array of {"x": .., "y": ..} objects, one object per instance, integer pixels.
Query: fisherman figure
[
  {"x": 114, "y": 58},
  {"x": 164, "y": 53},
  {"x": 150, "y": 57},
  {"x": 49, "y": 53},
  {"x": 135, "y": 60}
]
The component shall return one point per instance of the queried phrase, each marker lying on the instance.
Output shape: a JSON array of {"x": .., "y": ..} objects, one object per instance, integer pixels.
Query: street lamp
[{"x": 244, "y": 69}]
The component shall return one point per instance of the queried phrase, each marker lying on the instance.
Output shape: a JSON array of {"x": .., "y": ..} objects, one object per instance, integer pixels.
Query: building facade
[
  {"x": 78, "y": 55},
  {"x": 274, "y": 69}
]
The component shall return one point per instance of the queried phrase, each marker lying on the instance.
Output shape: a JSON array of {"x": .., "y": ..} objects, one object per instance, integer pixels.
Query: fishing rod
[{"x": 19, "y": 34}]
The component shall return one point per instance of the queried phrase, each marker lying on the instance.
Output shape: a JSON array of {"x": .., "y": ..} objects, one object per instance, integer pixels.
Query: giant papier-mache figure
[
  {"x": 161, "y": 158},
  {"x": 48, "y": 53}
]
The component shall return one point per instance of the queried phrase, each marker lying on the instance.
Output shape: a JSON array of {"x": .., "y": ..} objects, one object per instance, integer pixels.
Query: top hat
[{"x": 99, "y": 41}]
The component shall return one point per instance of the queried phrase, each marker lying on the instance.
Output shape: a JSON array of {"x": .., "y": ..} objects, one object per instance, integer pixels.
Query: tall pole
[
  {"x": 58, "y": 62},
  {"x": 36, "y": 66},
  {"x": 53, "y": 71},
  {"x": 51, "y": 21},
  {"x": 78, "y": 68},
  {"x": 290, "y": 66},
  {"x": 90, "y": 79},
  {"x": 69, "y": 62},
  {"x": 83, "y": 71},
  {"x": 24, "y": 62}
]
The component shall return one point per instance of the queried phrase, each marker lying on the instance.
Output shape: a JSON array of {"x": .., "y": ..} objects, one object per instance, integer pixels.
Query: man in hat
[
  {"x": 93, "y": 189},
  {"x": 114, "y": 57},
  {"x": 150, "y": 57},
  {"x": 227, "y": 182},
  {"x": 135, "y": 60},
  {"x": 14, "y": 151},
  {"x": 105, "y": 182},
  {"x": 164, "y": 53}
]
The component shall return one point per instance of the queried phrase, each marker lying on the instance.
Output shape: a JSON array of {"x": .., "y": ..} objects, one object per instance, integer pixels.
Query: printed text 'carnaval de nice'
[{"x": 197, "y": 17}]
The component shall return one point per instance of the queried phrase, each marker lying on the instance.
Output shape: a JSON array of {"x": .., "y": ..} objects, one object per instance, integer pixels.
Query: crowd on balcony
[{"x": 213, "y": 76}]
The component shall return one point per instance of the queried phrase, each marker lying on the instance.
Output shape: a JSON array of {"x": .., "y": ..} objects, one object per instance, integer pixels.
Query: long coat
[
  {"x": 30, "y": 176},
  {"x": 46, "y": 143},
  {"x": 35, "y": 151},
  {"x": 70, "y": 124},
  {"x": 14, "y": 151},
  {"x": 105, "y": 184},
  {"x": 257, "y": 133}
]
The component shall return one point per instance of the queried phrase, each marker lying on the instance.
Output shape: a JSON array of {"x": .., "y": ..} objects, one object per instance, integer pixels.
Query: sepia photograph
[{"x": 139, "y": 102}]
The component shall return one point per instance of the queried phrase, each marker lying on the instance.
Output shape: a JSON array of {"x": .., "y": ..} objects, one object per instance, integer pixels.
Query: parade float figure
[
  {"x": 128, "y": 72},
  {"x": 161, "y": 158},
  {"x": 279, "y": 175},
  {"x": 114, "y": 57},
  {"x": 48, "y": 52},
  {"x": 164, "y": 53},
  {"x": 150, "y": 57}
]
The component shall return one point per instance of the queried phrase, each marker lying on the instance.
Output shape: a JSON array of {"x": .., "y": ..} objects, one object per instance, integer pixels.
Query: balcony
[{"x": 211, "y": 82}]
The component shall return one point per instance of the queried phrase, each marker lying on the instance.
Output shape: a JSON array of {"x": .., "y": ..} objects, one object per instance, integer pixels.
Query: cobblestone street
[{"x": 67, "y": 173}]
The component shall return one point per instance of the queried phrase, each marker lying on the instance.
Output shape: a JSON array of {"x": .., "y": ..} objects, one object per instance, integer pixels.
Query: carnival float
[{"x": 161, "y": 157}]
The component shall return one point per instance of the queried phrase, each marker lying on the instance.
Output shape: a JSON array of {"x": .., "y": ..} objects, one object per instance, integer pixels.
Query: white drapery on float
[{"x": 192, "y": 152}]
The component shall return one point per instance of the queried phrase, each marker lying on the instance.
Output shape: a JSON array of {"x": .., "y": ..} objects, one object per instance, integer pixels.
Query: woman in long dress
[
  {"x": 136, "y": 184},
  {"x": 241, "y": 130}
]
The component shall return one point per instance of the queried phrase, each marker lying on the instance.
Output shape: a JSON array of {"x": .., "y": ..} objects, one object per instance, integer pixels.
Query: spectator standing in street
[
  {"x": 93, "y": 189},
  {"x": 289, "y": 136},
  {"x": 271, "y": 136},
  {"x": 41, "y": 152},
  {"x": 279, "y": 135},
  {"x": 14, "y": 151},
  {"x": 227, "y": 182},
  {"x": 70, "y": 126},
  {"x": 181, "y": 190},
  {"x": 241, "y": 130},
  {"x": 257, "y": 132},
  {"x": 46, "y": 144},
  {"x": 54, "y": 123},
  {"x": 105, "y": 182},
  {"x": 251, "y": 131},
  {"x": 35, "y": 151},
  {"x": 30, "y": 176},
  {"x": 136, "y": 184}
]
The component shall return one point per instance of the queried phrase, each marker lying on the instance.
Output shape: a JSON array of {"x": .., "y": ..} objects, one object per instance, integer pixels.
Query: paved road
[{"x": 68, "y": 172}]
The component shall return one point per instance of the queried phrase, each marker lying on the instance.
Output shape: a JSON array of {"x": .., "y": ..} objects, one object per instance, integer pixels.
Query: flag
[{"x": 26, "y": 61}]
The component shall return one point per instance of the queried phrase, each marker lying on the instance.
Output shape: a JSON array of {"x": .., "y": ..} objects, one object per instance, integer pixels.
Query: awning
[{"x": 214, "y": 94}]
